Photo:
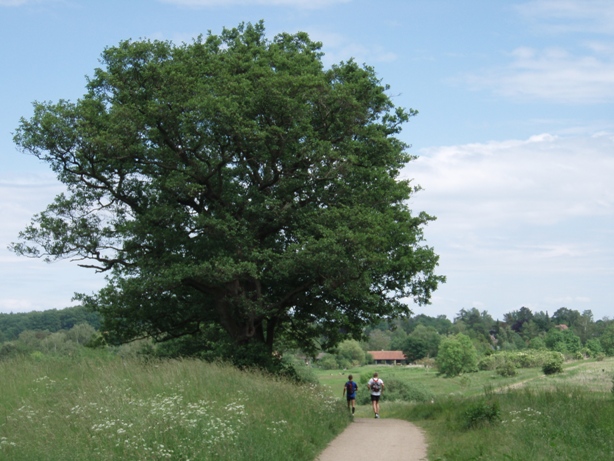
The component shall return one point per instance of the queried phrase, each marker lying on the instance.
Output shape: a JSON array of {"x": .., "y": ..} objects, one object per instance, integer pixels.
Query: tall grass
[
  {"x": 104, "y": 408},
  {"x": 486, "y": 416},
  {"x": 565, "y": 417}
]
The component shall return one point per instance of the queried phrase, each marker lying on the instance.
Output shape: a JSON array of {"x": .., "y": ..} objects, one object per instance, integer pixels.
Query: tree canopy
[{"x": 234, "y": 185}]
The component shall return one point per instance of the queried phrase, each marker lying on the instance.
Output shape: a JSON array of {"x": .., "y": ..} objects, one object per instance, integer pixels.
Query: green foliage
[
  {"x": 474, "y": 323},
  {"x": 507, "y": 369},
  {"x": 607, "y": 340},
  {"x": 233, "y": 181},
  {"x": 441, "y": 323},
  {"x": 594, "y": 347},
  {"x": 566, "y": 341},
  {"x": 351, "y": 352},
  {"x": 422, "y": 342},
  {"x": 456, "y": 355},
  {"x": 328, "y": 362},
  {"x": 553, "y": 365},
  {"x": 51, "y": 320},
  {"x": 480, "y": 413},
  {"x": 379, "y": 341},
  {"x": 520, "y": 359},
  {"x": 537, "y": 343}
]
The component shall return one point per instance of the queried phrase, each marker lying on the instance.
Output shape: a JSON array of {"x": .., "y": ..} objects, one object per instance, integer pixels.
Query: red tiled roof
[{"x": 387, "y": 355}]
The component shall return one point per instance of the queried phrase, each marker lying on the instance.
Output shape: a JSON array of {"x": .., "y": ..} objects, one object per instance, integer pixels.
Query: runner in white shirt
[{"x": 376, "y": 386}]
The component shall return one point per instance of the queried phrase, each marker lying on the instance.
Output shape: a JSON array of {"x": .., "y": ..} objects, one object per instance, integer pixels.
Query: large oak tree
[{"x": 233, "y": 183}]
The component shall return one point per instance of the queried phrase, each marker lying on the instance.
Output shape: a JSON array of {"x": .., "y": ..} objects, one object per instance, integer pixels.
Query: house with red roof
[{"x": 388, "y": 357}]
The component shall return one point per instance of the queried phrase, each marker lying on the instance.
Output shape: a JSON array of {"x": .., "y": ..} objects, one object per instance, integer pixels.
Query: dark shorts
[
  {"x": 374, "y": 398},
  {"x": 353, "y": 397}
]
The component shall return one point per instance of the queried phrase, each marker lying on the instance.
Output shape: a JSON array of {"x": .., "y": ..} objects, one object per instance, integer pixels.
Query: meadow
[
  {"x": 101, "y": 407},
  {"x": 98, "y": 406},
  {"x": 484, "y": 416}
]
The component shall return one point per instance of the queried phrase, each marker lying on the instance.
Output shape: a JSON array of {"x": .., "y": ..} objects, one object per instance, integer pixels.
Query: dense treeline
[
  {"x": 52, "y": 321},
  {"x": 466, "y": 341},
  {"x": 573, "y": 334},
  {"x": 566, "y": 331}
]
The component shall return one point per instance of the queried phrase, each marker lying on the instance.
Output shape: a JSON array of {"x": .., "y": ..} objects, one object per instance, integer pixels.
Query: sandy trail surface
[{"x": 368, "y": 439}]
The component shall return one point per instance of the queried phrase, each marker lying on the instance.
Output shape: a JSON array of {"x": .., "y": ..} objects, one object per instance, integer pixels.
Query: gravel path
[{"x": 368, "y": 439}]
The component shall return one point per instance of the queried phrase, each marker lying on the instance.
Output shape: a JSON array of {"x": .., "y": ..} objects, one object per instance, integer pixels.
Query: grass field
[
  {"x": 483, "y": 416},
  {"x": 99, "y": 407},
  {"x": 103, "y": 408}
]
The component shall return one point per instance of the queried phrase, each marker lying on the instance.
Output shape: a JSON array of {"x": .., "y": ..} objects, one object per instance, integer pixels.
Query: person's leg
[{"x": 353, "y": 405}]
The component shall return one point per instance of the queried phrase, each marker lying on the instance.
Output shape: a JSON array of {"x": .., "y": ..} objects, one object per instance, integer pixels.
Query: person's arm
[{"x": 343, "y": 395}]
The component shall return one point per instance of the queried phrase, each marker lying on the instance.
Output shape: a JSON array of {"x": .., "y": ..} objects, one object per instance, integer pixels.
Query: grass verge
[{"x": 103, "y": 408}]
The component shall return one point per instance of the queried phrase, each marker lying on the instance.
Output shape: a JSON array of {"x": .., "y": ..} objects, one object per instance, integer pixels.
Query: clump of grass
[{"x": 104, "y": 408}]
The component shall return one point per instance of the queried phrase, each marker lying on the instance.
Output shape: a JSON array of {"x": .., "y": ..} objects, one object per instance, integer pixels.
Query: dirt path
[{"x": 368, "y": 439}]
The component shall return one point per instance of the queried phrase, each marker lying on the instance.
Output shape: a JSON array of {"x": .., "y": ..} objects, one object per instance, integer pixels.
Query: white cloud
[
  {"x": 554, "y": 74},
  {"x": 571, "y": 15},
  {"x": 576, "y": 68},
  {"x": 338, "y": 47},
  {"x": 533, "y": 208},
  {"x": 542, "y": 180},
  {"x": 31, "y": 284},
  {"x": 302, "y": 4}
]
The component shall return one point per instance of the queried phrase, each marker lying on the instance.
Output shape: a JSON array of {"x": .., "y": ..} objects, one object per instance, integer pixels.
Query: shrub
[
  {"x": 554, "y": 365},
  {"x": 537, "y": 343},
  {"x": 427, "y": 362},
  {"x": 594, "y": 347},
  {"x": 457, "y": 355},
  {"x": 481, "y": 413},
  {"x": 488, "y": 362},
  {"x": 507, "y": 369},
  {"x": 328, "y": 362},
  {"x": 521, "y": 359}
]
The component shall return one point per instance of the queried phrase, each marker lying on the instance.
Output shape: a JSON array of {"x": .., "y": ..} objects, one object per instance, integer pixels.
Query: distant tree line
[
  {"x": 459, "y": 345},
  {"x": 52, "y": 321},
  {"x": 570, "y": 332}
]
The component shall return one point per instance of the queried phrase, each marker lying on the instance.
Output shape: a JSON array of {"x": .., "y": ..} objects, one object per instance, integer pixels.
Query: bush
[
  {"x": 489, "y": 362},
  {"x": 507, "y": 369},
  {"x": 480, "y": 414},
  {"x": 328, "y": 362},
  {"x": 594, "y": 347},
  {"x": 552, "y": 366},
  {"x": 457, "y": 355},
  {"x": 521, "y": 359}
]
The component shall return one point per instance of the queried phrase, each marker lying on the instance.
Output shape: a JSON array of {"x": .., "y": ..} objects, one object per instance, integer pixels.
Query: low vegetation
[
  {"x": 100, "y": 407},
  {"x": 485, "y": 415},
  {"x": 482, "y": 393}
]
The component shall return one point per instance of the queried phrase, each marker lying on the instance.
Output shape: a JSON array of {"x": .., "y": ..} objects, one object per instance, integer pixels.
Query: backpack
[
  {"x": 349, "y": 387},
  {"x": 376, "y": 386}
]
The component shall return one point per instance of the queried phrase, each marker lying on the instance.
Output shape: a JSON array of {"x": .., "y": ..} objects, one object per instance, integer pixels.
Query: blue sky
[{"x": 514, "y": 138}]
